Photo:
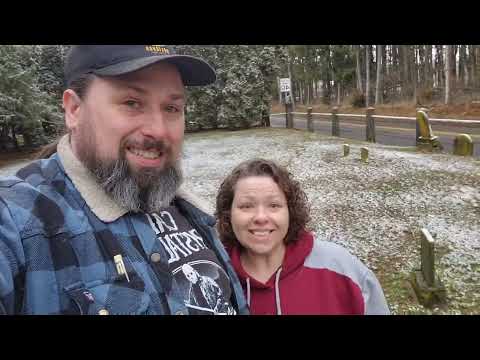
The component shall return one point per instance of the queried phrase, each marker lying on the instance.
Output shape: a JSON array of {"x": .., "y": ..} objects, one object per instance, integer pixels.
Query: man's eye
[
  {"x": 132, "y": 104},
  {"x": 172, "y": 109}
]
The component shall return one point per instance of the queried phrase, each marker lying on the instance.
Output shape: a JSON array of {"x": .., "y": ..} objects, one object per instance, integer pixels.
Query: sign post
[{"x": 285, "y": 87}]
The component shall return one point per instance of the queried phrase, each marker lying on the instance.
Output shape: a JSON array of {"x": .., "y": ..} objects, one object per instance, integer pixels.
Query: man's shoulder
[
  {"x": 33, "y": 174},
  {"x": 39, "y": 176},
  {"x": 193, "y": 199},
  {"x": 194, "y": 206},
  {"x": 35, "y": 192}
]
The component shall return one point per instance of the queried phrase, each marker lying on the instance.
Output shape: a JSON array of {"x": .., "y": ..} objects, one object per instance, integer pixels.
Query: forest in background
[{"x": 395, "y": 78}]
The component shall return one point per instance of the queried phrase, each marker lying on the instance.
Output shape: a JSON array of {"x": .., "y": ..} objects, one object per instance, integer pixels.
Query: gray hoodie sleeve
[{"x": 375, "y": 302}]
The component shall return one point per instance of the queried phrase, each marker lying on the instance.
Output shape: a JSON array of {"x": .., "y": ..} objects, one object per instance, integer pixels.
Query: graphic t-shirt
[{"x": 203, "y": 282}]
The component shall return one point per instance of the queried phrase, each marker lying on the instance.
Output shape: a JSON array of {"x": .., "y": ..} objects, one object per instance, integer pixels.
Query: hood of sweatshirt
[{"x": 294, "y": 258}]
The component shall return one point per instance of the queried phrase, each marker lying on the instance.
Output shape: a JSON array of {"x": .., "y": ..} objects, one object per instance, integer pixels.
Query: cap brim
[{"x": 194, "y": 71}]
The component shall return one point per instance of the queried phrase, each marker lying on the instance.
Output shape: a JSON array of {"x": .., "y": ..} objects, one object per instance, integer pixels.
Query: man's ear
[{"x": 71, "y": 105}]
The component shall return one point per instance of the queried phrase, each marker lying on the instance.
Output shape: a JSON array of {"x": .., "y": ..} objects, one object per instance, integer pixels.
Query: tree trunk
[
  {"x": 279, "y": 91},
  {"x": 14, "y": 138},
  {"x": 405, "y": 78},
  {"x": 292, "y": 94},
  {"x": 471, "y": 55},
  {"x": 358, "y": 70},
  {"x": 379, "y": 85},
  {"x": 414, "y": 75},
  {"x": 367, "y": 81},
  {"x": 428, "y": 66},
  {"x": 448, "y": 59},
  {"x": 463, "y": 65},
  {"x": 395, "y": 70},
  {"x": 439, "y": 65}
]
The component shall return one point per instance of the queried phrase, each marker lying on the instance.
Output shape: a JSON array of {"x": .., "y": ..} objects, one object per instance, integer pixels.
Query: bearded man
[{"x": 91, "y": 227}]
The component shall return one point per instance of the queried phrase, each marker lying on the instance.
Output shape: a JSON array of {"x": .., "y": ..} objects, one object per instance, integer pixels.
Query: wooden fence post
[
  {"x": 309, "y": 119},
  {"x": 370, "y": 133},
  {"x": 335, "y": 124}
]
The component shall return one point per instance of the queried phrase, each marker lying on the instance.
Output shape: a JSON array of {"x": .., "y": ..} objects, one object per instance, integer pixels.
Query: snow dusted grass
[{"x": 375, "y": 210}]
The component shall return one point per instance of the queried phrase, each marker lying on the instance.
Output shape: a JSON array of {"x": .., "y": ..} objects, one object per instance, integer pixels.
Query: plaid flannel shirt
[{"x": 56, "y": 255}]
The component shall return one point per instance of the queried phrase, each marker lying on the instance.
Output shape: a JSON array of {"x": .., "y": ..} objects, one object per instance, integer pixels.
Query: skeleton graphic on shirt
[{"x": 205, "y": 294}]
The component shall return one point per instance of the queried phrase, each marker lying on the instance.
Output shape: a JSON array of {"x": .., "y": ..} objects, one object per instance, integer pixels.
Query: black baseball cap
[{"x": 112, "y": 60}]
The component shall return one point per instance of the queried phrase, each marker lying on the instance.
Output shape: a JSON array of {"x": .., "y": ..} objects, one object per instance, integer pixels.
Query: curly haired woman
[{"x": 284, "y": 269}]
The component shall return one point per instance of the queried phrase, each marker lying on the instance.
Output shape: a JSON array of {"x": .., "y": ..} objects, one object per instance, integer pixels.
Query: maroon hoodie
[{"x": 316, "y": 277}]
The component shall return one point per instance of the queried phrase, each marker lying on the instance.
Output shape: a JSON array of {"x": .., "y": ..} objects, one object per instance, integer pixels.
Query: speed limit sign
[{"x": 285, "y": 85}]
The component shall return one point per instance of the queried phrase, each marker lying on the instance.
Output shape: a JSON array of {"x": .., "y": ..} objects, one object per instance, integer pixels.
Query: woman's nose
[{"x": 260, "y": 216}]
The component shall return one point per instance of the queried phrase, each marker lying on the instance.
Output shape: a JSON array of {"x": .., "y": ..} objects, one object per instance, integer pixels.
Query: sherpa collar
[{"x": 99, "y": 202}]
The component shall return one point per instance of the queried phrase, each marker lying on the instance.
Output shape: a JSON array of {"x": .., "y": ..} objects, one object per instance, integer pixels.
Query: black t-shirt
[{"x": 203, "y": 282}]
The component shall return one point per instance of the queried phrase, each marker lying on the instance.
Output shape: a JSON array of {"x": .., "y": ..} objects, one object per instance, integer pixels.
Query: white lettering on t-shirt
[
  {"x": 165, "y": 220},
  {"x": 177, "y": 244}
]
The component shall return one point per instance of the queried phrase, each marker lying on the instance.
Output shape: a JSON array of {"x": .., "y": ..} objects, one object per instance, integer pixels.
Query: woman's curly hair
[{"x": 298, "y": 207}]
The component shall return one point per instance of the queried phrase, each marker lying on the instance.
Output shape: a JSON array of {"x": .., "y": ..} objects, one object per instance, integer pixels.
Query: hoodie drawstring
[
  {"x": 248, "y": 291},
  {"x": 277, "y": 291}
]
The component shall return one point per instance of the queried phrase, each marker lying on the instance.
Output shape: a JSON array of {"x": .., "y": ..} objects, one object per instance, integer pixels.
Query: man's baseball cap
[{"x": 113, "y": 60}]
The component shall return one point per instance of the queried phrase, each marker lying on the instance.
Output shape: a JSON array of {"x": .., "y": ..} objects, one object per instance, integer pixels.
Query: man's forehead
[{"x": 144, "y": 84}]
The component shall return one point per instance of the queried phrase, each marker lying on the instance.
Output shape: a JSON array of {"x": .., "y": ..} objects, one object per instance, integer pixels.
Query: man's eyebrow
[
  {"x": 136, "y": 88},
  {"x": 174, "y": 97},
  {"x": 178, "y": 96}
]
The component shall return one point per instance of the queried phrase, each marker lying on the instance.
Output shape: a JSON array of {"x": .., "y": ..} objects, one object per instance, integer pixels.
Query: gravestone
[
  {"x": 364, "y": 154},
  {"x": 463, "y": 145},
  {"x": 428, "y": 288},
  {"x": 346, "y": 149},
  {"x": 426, "y": 140}
]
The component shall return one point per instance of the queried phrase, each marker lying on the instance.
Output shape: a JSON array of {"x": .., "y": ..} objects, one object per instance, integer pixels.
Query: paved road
[{"x": 388, "y": 131}]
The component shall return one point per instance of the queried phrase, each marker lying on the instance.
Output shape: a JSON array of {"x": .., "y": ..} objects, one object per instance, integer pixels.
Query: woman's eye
[
  {"x": 245, "y": 206},
  {"x": 275, "y": 205}
]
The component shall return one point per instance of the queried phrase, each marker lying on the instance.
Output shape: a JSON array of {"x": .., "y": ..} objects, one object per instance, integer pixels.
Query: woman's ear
[{"x": 71, "y": 105}]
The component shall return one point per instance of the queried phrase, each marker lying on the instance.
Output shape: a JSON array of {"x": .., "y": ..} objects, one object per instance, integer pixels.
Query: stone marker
[
  {"x": 428, "y": 257},
  {"x": 426, "y": 140},
  {"x": 428, "y": 288},
  {"x": 463, "y": 145},
  {"x": 346, "y": 149},
  {"x": 364, "y": 154}
]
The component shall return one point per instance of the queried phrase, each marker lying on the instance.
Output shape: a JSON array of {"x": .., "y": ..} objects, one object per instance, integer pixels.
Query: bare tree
[
  {"x": 448, "y": 51},
  {"x": 367, "y": 88},
  {"x": 358, "y": 69},
  {"x": 292, "y": 94},
  {"x": 379, "y": 85}
]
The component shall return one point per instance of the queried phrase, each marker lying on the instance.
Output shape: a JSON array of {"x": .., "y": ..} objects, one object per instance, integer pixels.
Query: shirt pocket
[{"x": 109, "y": 297}]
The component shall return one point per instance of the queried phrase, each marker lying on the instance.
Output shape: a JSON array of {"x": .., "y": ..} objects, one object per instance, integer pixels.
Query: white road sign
[{"x": 285, "y": 85}]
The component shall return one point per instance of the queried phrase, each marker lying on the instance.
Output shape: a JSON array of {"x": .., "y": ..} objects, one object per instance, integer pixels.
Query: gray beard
[{"x": 148, "y": 191}]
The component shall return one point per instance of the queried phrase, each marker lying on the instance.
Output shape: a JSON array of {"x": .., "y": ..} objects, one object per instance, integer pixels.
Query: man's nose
[{"x": 156, "y": 126}]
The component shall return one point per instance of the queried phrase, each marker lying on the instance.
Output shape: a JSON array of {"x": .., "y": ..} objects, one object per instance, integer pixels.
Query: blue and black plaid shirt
[{"x": 56, "y": 255}]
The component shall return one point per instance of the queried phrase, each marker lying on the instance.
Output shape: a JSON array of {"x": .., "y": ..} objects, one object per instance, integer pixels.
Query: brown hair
[
  {"x": 80, "y": 85},
  {"x": 298, "y": 207}
]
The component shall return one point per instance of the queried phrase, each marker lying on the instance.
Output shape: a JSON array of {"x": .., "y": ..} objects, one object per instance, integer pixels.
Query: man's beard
[{"x": 148, "y": 190}]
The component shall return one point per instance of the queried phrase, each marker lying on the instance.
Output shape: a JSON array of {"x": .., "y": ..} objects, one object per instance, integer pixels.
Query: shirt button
[
  {"x": 155, "y": 257},
  {"x": 103, "y": 312}
]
